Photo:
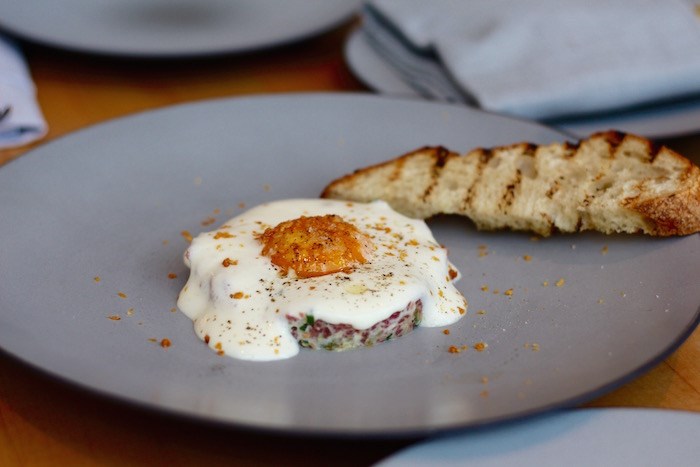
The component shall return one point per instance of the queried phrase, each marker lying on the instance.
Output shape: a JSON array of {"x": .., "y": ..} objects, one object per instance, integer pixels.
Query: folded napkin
[
  {"x": 21, "y": 121},
  {"x": 552, "y": 58}
]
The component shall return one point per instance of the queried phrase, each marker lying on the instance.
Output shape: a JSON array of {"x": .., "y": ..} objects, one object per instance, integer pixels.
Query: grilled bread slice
[{"x": 610, "y": 182}]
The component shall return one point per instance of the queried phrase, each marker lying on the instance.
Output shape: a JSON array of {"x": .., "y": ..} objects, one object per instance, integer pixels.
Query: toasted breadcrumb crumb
[
  {"x": 604, "y": 250},
  {"x": 446, "y": 332},
  {"x": 97, "y": 279},
  {"x": 186, "y": 235},
  {"x": 222, "y": 234},
  {"x": 114, "y": 317},
  {"x": 560, "y": 282},
  {"x": 480, "y": 346},
  {"x": 172, "y": 275},
  {"x": 527, "y": 258},
  {"x": 229, "y": 262},
  {"x": 121, "y": 294},
  {"x": 165, "y": 343}
]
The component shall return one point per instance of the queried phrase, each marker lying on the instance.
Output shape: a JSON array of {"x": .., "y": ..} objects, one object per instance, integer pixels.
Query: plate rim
[{"x": 326, "y": 432}]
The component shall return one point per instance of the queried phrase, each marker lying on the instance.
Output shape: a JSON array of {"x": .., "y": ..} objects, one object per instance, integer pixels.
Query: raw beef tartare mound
[{"x": 319, "y": 334}]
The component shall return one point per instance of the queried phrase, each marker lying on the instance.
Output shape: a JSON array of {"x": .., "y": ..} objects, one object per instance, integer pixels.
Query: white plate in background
[
  {"x": 661, "y": 121},
  {"x": 170, "y": 28},
  {"x": 576, "y": 438}
]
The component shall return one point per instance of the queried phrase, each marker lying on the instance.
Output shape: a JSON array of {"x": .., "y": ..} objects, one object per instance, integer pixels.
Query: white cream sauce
[{"x": 240, "y": 309}]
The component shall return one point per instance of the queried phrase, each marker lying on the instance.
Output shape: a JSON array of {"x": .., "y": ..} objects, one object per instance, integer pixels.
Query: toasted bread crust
[{"x": 610, "y": 182}]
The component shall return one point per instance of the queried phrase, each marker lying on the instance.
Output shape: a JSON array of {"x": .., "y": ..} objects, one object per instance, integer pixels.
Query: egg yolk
[{"x": 315, "y": 246}]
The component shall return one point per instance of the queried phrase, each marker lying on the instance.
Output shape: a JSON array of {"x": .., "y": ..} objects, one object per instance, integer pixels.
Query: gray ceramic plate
[
  {"x": 111, "y": 202},
  {"x": 659, "y": 121},
  {"x": 600, "y": 437},
  {"x": 170, "y": 27}
]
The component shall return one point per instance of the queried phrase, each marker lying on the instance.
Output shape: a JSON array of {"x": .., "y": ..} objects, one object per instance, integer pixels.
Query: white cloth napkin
[
  {"x": 552, "y": 58},
  {"x": 23, "y": 123}
]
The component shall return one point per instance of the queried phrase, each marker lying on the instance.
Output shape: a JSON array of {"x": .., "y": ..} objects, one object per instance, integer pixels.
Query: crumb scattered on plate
[{"x": 186, "y": 235}]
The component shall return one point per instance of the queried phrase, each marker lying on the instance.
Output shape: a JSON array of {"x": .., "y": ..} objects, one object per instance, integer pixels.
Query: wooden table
[{"x": 47, "y": 422}]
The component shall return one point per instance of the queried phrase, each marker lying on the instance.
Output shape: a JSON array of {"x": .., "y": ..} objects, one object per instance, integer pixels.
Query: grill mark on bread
[
  {"x": 509, "y": 193},
  {"x": 529, "y": 150},
  {"x": 613, "y": 137},
  {"x": 440, "y": 157},
  {"x": 571, "y": 149},
  {"x": 614, "y": 140},
  {"x": 484, "y": 155},
  {"x": 553, "y": 188},
  {"x": 550, "y": 223},
  {"x": 398, "y": 170},
  {"x": 443, "y": 154},
  {"x": 654, "y": 150}
]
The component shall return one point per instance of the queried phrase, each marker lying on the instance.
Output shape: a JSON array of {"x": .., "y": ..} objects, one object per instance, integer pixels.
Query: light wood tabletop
[{"x": 44, "y": 421}]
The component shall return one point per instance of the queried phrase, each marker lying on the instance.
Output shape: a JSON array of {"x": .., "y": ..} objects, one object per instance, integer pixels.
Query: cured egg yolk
[{"x": 315, "y": 246}]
